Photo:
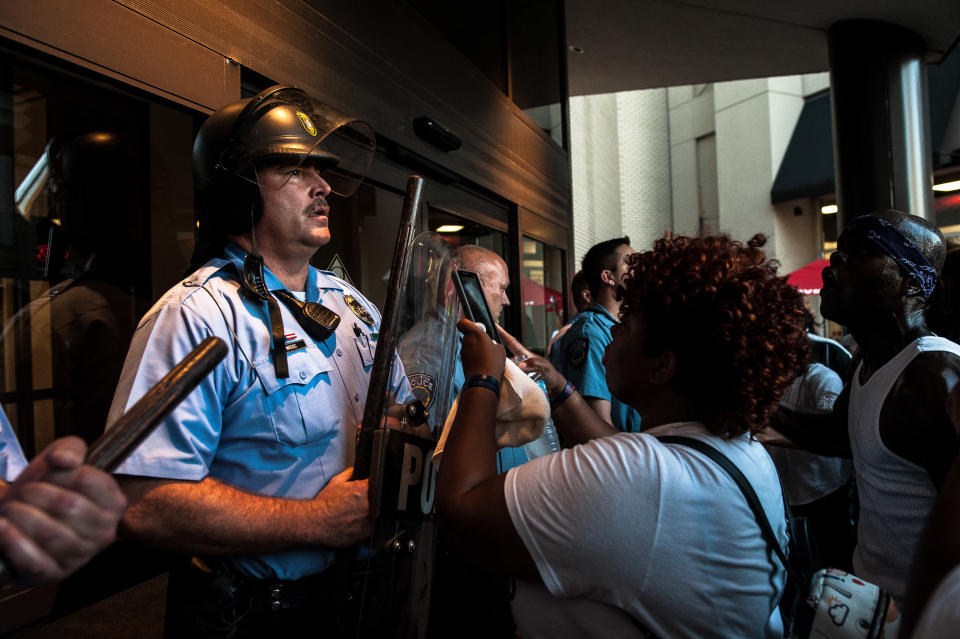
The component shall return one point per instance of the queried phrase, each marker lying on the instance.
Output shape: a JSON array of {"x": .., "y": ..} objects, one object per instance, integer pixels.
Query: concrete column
[{"x": 880, "y": 129}]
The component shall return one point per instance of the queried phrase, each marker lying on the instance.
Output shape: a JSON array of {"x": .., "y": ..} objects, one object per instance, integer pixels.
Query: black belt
[{"x": 277, "y": 594}]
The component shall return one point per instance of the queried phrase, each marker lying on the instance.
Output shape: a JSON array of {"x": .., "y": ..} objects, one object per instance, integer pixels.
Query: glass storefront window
[
  {"x": 373, "y": 214},
  {"x": 517, "y": 46},
  {"x": 96, "y": 222},
  {"x": 542, "y": 293},
  {"x": 536, "y": 69}
]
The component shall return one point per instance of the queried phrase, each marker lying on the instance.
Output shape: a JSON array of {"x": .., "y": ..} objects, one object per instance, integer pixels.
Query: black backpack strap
[{"x": 748, "y": 492}]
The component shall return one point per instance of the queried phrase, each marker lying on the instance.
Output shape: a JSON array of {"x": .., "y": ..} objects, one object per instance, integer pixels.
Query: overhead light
[
  {"x": 947, "y": 186},
  {"x": 829, "y": 209},
  {"x": 449, "y": 228}
]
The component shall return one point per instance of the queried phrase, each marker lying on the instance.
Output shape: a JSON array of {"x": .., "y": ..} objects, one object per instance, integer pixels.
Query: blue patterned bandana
[{"x": 895, "y": 244}]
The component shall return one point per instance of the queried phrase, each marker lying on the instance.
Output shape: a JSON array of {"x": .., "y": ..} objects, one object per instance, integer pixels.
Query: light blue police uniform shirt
[
  {"x": 12, "y": 461},
  {"x": 507, "y": 457},
  {"x": 578, "y": 355},
  {"x": 243, "y": 426}
]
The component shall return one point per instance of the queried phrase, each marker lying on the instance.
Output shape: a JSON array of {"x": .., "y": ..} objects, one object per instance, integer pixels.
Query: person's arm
[
  {"x": 58, "y": 514},
  {"x": 914, "y": 422},
  {"x": 213, "y": 518},
  {"x": 819, "y": 432},
  {"x": 470, "y": 493},
  {"x": 187, "y": 511},
  {"x": 577, "y": 419},
  {"x": 601, "y": 407}
]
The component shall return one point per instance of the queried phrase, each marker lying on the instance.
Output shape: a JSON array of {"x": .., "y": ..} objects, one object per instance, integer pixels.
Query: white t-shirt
[
  {"x": 634, "y": 529},
  {"x": 807, "y": 477}
]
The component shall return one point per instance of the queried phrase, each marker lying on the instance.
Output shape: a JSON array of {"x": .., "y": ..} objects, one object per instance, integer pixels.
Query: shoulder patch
[{"x": 577, "y": 351}]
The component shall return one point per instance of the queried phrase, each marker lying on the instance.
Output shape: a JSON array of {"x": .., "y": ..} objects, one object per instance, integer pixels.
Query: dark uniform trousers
[{"x": 205, "y": 603}]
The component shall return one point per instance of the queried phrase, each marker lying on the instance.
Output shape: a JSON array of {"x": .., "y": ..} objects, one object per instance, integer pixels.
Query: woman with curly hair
[{"x": 623, "y": 534}]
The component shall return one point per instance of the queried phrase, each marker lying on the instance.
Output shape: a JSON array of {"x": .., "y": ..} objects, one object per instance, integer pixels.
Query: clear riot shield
[
  {"x": 402, "y": 476},
  {"x": 428, "y": 342},
  {"x": 391, "y": 589}
]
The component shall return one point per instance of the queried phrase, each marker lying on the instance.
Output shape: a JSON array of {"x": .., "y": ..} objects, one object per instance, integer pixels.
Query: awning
[
  {"x": 943, "y": 82},
  {"x": 809, "y": 279},
  {"x": 807, "y": 166}
]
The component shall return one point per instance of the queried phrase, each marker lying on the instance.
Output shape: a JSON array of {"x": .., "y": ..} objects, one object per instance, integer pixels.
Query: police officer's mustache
[{"x": 319, "y": 206}]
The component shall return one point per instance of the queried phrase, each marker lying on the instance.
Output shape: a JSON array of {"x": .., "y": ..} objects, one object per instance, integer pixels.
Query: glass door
[{"x": 542, "y": 293}]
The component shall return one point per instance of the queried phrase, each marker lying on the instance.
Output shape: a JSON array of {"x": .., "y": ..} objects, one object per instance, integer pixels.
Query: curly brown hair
[{"x": 735, "y": 327}]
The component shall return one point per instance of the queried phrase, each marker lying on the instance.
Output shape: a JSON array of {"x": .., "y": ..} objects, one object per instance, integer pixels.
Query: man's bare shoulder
[
  {"x": 931, "y": 375},
  {"x": 914, "y": 422}
]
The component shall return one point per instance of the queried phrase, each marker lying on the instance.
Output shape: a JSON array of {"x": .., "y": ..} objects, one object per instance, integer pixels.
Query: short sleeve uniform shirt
[
  {"x": 280, "y": 437},
  {"x": 578, "y": 355}
]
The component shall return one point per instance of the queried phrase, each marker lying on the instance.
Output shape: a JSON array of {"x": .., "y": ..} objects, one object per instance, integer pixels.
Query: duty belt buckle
[{"x": 275, "y": 592}]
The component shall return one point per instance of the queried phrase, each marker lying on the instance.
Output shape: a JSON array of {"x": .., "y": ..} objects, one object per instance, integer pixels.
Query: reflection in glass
[
  {"x": 73, "y": 265},
  {"x": 542, "y": 293},
  {"x": 82, "y": 174}
]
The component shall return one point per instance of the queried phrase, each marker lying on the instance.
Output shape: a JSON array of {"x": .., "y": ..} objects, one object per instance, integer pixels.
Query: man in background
[
  {"x": 891, "y": 417},
  {"x": 494, "y": 280},
  {"x": 578, "y": 355},
  {"x": 581, "y": 301}
]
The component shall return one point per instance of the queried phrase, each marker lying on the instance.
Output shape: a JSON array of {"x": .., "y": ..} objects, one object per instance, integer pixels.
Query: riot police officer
[{"x": 250, "y": 473}]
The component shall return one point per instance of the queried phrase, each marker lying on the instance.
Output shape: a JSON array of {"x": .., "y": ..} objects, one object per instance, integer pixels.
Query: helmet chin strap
[
  {"x": 316, "y": 319},
  {"x": 253, "y": 232},
  {"x": 254, "y": 282}
]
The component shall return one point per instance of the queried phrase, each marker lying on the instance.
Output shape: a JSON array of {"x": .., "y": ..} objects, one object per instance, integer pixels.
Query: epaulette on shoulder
[
  {"x": 204, "y": 274},
  {"x": 182, "y": 290}
]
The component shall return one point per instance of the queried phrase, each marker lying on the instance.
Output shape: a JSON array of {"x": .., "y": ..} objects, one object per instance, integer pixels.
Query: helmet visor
[
  {"x": 288, "y": 126},
  {"x": 30, "y": 197}
]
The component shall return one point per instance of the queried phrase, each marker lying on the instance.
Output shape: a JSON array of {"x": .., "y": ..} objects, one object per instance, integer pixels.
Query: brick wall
[{"x": 620, "y": 166}]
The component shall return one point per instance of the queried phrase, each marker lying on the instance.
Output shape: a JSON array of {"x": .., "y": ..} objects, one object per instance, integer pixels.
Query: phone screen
[{"x": 473, "y": 302}]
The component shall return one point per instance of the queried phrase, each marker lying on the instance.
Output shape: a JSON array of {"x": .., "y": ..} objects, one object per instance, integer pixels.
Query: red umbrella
[{"x": 809, "y": 278}]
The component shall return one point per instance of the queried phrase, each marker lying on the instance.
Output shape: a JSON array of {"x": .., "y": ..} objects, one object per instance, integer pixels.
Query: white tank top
[{"x": 896, "y": 495}]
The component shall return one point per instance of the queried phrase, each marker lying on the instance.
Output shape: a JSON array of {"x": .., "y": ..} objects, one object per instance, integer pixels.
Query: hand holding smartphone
[{"x": 473, "y": 302}]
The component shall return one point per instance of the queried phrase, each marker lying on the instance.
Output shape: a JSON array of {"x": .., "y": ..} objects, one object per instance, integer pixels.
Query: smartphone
[{"x": 473, "y": 302}]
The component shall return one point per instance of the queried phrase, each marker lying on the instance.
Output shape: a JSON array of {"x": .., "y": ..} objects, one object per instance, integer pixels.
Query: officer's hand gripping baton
[{"x": 111, "y": 448}]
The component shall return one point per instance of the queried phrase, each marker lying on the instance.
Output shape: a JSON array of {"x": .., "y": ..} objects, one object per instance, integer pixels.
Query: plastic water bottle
[{"x": 548, "y": 442}]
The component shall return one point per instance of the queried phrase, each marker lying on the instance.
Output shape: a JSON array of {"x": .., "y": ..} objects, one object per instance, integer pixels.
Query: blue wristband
[
  {"x": 484, "y": 381},
  {"x": 562, "y": 397}
]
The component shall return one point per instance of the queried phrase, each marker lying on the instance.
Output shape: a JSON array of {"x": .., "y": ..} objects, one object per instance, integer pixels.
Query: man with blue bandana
[
  {"x": 250, "y": 474},
  {"x": 578, "y": 355},
  {"x": 891, "y": 418}
]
